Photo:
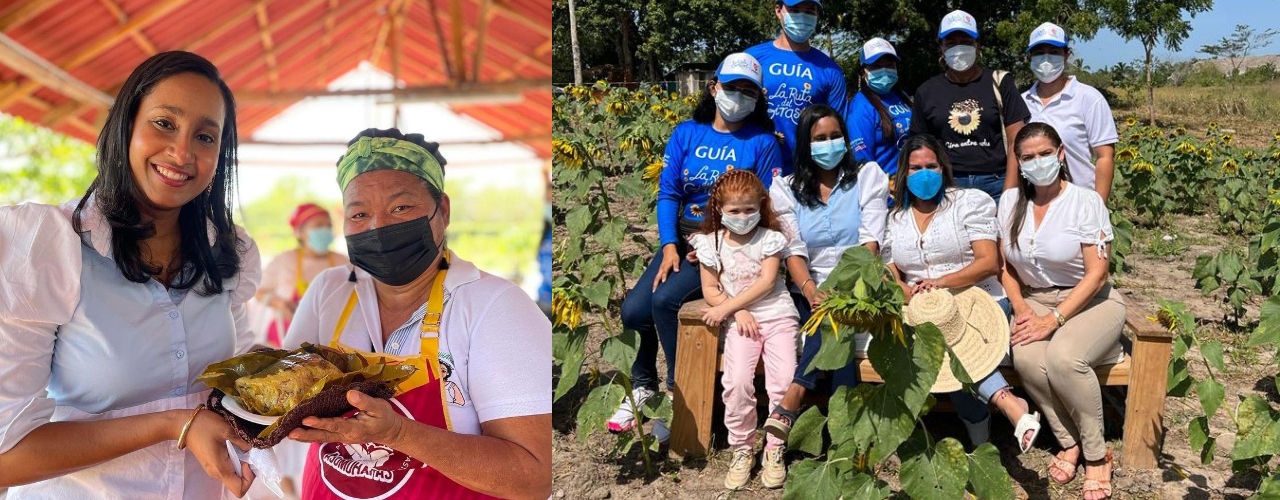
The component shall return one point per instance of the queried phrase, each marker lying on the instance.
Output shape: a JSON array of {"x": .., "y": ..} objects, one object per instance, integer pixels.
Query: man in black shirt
[{"x": 970, "y": 112}]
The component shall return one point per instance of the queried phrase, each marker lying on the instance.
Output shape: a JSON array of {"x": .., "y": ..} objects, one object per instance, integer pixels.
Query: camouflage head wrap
[{"x": 386, "y": 153}]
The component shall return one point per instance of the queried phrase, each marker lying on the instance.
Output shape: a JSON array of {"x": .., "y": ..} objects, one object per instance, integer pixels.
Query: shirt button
[
  {"x": 173, "y": 314},
  {"x": 395, "y": 346},
  {"x": 177, "y": 392},
  {"x": 180, "y": 354}
]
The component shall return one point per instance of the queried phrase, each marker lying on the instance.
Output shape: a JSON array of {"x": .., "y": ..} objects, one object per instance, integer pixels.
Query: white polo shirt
[{"x": 1083, "y": 119}]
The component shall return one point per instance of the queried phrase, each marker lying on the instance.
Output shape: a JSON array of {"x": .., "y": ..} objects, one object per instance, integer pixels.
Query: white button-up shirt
[
  {"x": 80, "y": 342},
  {"x": 1083, "y": 120}
]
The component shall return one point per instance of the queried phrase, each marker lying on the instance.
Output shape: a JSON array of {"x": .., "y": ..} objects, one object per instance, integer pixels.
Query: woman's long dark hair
[
  {"x": 1027, "y": 190},
  {"x": 705, "y": 112},
  {"x": 804, "y": 183},
  {"x": 117, "y": 195},
  {"x": 903, "y": 196},
  {"x": 886, "y": 121}
]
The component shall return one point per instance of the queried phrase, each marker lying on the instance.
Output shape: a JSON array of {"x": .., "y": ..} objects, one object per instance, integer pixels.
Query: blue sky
[{"x": 1107, "y": 48}]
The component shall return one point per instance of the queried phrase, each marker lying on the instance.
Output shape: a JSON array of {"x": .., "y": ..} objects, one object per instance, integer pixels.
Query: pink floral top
[{"x": 740, "y": 267}]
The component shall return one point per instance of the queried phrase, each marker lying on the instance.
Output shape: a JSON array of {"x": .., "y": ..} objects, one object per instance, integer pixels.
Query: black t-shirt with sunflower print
[{"x": 965, "y": 118}]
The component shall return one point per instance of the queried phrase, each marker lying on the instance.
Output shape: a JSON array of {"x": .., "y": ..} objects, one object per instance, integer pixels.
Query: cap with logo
[
  {"x": 876, "y": 48},
  {"x": 1048, "y": 34},
  {"x": 958, "y": 20},
  {"x": 739, "y": 66}
]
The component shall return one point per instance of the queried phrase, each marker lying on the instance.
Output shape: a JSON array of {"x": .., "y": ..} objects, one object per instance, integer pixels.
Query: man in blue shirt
[{"x": 796, "y": 74}]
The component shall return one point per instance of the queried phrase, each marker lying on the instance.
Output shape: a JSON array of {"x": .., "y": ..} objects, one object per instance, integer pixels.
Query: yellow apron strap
[
  {"x": 300, "y": 285},
  {"x": 431, "y": 322},
  {"x": 342, "y": 320}
]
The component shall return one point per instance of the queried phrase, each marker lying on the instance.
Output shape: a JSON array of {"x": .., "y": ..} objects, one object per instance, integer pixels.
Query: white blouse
[
  {"x": 946, "y": 246},
  {"x": 104, "y": 347},
  {"x": 1053, "y": 254},
  {"x": 740, "y": 267}
]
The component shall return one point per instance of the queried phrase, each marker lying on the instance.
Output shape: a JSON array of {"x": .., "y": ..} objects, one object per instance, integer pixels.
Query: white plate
[{"x": 234, "y": 407}]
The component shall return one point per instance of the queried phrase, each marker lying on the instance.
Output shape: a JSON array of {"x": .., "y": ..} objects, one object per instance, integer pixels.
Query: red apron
[
  {"x": 371, "y": 471},
  {"x": 278, "y": 326}
]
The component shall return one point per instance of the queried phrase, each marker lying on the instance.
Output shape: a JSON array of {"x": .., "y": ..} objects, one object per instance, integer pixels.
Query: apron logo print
[{"x": 364, "y": 462}]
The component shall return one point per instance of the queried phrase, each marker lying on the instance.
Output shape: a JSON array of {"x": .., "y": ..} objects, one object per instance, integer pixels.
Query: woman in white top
[
  {"x": 830, "y": 204},
  {"x": 1077, "y": 111},
  {"x": 1067, "y": 317},
  {"x": 478, "y": 421},
  {"x": 116, "y": 303},
  {"x": 942, "y": 236}
]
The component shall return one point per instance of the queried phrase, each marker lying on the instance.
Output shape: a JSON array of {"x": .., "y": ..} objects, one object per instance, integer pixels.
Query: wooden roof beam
[
  {"x": 41, "y": 72},
  {"x": 268, "y": 46},
  {"x": 346, "y": 19},
  {"x": 472, "y": 142},
  {"x": 477, "y": 58},
  {"x": 455, "y": 26},
  {"x": 384, "y": 31},
  {"x": 156, "y": 11},
  {"x": 247, "y": 42},
  {"x": 24, "y": 12},
  {"x": 434, "y": 93},
  {"x": 509, "y": 13}
]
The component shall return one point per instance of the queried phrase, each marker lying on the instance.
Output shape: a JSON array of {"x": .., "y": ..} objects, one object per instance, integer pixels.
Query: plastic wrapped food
[
  {"x": 311, "y": 380},
  {"x": 284, "y": 384}
]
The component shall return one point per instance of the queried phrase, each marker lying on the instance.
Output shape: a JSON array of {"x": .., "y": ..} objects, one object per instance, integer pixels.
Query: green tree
[
  {"x": 1152, "y": 22},
  {"x": 1237, "y": 46},
  {"x": 39, "y": 165}
]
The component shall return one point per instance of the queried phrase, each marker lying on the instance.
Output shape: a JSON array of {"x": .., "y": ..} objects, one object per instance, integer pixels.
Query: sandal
[
  {"x": 1101, "y": 485},
  {"x": 1067, "y": 469},
  {"x": 1028, "y": 422},
  {"x": 780, "y": 422}
]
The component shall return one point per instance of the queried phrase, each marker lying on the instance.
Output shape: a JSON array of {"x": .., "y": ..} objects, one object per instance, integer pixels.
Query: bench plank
[{"x": 698, "y": 362}]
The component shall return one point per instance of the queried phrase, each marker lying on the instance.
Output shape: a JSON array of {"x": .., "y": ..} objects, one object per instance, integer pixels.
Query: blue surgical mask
[
  {"x": 799, "y": 26},
  {"x": 882, "y": 80},
  {"x": 319, "y": 239},
  {"x": 827, "y": 154},
  {"x": 925, "y": 184}
]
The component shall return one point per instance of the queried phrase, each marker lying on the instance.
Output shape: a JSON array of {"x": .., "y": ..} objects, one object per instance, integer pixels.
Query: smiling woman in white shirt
[
  {"x": 1067, "y": 317},
  {"x": 942, "y": 236},
  {"x": 116, "y": 302}
]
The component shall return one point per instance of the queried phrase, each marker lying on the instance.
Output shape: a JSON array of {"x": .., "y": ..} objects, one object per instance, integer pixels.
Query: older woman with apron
[
  {"x": 286, "y": 277},
  {"x": 475, "y": 421}
]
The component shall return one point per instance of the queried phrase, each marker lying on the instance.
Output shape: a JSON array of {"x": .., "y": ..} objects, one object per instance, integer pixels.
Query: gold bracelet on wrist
[
  {"x": 806, "y": 282},
  {"x": 182, "y": 438}
]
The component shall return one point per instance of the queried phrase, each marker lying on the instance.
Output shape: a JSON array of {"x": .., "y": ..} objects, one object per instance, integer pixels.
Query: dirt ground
[{"x": 1161, "y": 270}]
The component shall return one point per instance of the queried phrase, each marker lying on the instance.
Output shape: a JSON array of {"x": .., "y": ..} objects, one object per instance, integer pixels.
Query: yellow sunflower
[
  {"x": 1230, "y": 167},
  {"x": 566, "y": 154},
  {"x": 1206, "y": 153},
  {"x": 1131, "y": 121},
  {"x": 1186, "y": 148},
  {"x": 564, "y": 310},
  {"x": 1144, "y": 166},
  {"x": 652, "y": 172},
  {"x": 617, "y": 108},
  {"x": 1127, "y": 154},
  {"x": 1226, "y": 139}
]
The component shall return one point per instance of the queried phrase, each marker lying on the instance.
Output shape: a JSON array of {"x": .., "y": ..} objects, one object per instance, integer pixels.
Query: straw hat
[{"x": 972, "y": 324}]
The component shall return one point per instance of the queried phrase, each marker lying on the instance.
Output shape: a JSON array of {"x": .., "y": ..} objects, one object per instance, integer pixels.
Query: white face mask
[
  {"x": 1041, "y": 171},
  {"x": 740, "y": 224},
  {"x": 1048, "y": 67},
  {"x": 961, "y": 57},
  {"x": 734, "y": 106}
]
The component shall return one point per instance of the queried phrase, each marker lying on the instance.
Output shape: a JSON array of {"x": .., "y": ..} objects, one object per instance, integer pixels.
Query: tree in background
[
  {"x": 41, "y": 166},
  {"x": 1237, "y": 46},
  {"x": 1152, "y": 22}
]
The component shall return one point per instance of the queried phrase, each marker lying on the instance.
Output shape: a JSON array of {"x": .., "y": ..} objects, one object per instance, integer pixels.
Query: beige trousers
[{"x": 1058, "y": 372}]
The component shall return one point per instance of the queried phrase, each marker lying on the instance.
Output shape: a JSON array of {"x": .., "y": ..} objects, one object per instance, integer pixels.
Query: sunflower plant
[{"x": 607, "y": 145}]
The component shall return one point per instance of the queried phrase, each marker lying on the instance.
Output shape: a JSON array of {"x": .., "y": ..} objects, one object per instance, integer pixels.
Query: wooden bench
[{"x": 1143, "y": 370}]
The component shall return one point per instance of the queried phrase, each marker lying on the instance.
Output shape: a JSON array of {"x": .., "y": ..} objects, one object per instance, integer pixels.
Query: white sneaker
[
  {"x": 624, "y": 419},
  {"x": 739, "y": 470},
  {"x": 773, "y": 472}
]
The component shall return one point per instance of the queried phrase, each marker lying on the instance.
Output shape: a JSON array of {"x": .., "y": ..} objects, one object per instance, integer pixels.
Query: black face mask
[{"x": 395, "y": 254}]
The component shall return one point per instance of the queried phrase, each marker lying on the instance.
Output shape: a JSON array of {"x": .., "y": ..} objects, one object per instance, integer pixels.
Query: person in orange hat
[{"x": 286, "y": 278}]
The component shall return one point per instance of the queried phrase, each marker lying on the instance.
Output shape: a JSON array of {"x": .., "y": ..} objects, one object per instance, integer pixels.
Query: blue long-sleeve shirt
[
  {"x": 792, "y": 82},
  {"x": 867, "y": 138},
  {"x": 696, "y": 156}
]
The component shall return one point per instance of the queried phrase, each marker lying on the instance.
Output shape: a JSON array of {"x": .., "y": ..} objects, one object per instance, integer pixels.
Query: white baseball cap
[
  {"x": 1049, "y": 34},
  {"x": 875, "y": 48},
  {"x": 739, "y": 66},
  {"x": 958, "y": 20}
]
